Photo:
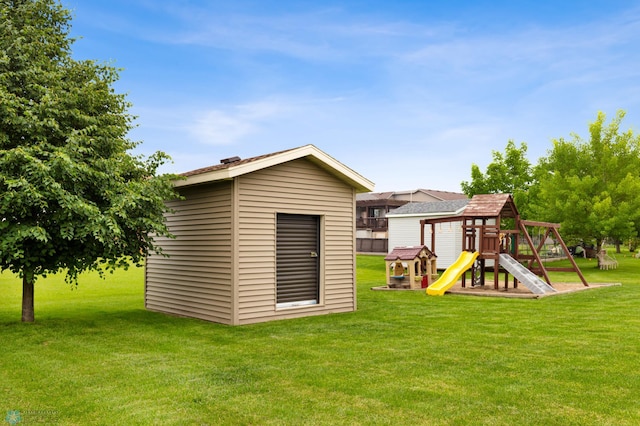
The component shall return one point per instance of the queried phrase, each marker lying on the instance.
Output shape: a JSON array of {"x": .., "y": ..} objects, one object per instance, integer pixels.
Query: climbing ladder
[
  {"x": 525, "y": 276},
  {"x": 476, "y": 277}
]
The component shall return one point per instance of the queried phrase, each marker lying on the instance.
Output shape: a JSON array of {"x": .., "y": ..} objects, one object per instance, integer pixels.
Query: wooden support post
[
  {"x": 573, "y": 262},
  {"x": 535, "y": 253},
  {"x": 540, "y": 245},
  {"x": 433, "y": 237}
]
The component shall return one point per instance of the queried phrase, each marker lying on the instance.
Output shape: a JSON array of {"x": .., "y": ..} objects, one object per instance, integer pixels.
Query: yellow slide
[{"x": 452, "y": 274}]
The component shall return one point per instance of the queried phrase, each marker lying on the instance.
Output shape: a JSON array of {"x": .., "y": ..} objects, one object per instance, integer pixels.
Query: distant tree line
[{"x": 591, "y": 187}]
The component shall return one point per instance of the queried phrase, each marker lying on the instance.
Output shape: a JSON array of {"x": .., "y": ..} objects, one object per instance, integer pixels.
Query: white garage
[{"x": 404, "y": 228}]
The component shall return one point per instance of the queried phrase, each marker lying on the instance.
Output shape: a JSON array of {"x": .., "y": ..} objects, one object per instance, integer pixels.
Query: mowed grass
[{"x": 95, "y": 356}]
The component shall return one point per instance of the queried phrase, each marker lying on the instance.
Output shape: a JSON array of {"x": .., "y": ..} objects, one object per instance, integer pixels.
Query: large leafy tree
[
  {"x": 509, "y": 172},
  {"x": 72, "y": 197},
  {"x": 593, "y": 187}
]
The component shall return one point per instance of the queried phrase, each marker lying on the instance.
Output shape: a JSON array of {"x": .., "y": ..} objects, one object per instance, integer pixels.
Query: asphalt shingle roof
[{"x": 449, "y": 206}]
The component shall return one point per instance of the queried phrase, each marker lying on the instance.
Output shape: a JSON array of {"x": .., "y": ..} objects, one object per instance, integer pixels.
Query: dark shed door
[{"x": 297, "y": 254}]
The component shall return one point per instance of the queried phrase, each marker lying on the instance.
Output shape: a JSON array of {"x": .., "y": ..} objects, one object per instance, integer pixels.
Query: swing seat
[{"x": 605, "y": 261}]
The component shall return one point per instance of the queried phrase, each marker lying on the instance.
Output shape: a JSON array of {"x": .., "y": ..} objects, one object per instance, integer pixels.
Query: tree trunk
[
  {"x": 599, "y": 244},
  {"x": 27, "y": 297}
]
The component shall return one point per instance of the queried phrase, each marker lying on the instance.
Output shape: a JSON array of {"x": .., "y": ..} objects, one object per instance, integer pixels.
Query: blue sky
[{"x": 407, "y": 93}]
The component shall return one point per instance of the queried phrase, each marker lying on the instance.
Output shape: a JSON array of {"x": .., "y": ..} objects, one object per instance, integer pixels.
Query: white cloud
[
  {"x": 225, "y": 127},
  {"x": 409, "y": 101}
]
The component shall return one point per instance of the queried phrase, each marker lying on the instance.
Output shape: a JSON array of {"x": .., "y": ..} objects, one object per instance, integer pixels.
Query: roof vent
[{"x": 229, "y": 160}]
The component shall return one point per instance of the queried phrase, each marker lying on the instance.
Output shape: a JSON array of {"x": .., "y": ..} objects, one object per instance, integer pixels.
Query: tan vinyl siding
[
  {"x": 222, "y": 265},
  {"x": 298, "y": 187},
  {"x": 196, "y": 280}
]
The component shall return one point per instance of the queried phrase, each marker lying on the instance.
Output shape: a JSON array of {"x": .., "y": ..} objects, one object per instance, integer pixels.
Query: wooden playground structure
[{"x": 481, "y": 231}]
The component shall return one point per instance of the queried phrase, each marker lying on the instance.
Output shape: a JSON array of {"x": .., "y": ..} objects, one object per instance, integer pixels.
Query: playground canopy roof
[{"x": 491, "y": 205}]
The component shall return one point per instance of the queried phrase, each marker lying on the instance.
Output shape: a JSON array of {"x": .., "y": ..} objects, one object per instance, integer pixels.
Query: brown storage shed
[{"x": 260, "y": 239}]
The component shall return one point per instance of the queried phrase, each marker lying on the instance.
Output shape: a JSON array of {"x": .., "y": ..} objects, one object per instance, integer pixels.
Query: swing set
[{"x": 482, "y": 222}]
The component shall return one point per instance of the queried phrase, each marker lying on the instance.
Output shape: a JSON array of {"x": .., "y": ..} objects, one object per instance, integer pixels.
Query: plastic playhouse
[
  {"x": 486, "y": 244},
  {"x": 410, "y": 267}
]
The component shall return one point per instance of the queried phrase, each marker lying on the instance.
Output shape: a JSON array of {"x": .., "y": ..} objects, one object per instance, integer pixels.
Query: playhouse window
[{"x": 398, "y": 269}]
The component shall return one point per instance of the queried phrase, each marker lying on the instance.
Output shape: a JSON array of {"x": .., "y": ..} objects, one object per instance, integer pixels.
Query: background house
[
  {"x": 404, "y": 228},
  {"x": 372, "y": 209},
  {"x": 259, "y": 239}
]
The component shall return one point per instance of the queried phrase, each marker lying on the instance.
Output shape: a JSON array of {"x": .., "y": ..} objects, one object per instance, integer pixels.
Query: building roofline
[
  {"x": 457, "y": 212},
  {"x": 241, "y": 167}
]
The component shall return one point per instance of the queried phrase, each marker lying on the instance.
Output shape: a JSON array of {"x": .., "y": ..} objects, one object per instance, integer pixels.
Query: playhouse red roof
[{"x": 406, "y": 253}]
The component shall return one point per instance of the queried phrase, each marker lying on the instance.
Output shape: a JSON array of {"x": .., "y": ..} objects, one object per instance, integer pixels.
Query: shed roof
[
  {"x": 407, "y": 253},
  {"x": 491, "y": 205},
  {"x": 431, "y": 207},
  {"x": 233, "y": 167}
]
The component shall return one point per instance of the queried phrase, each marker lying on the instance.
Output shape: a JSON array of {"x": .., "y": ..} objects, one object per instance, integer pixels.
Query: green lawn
[{"x": 95, "y": 356}]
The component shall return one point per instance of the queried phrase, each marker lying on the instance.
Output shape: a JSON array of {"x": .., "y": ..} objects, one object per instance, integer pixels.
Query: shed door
[{"x": 297, "y": 259}]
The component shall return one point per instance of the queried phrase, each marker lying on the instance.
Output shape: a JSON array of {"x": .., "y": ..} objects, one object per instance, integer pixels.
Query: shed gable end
[{"x": 295, "y": 187}]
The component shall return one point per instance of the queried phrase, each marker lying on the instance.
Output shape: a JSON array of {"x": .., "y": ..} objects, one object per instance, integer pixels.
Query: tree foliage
[
  {"x": 509, "y": 173},
  {"x": 593, "y": 187},
  {"x": 72, "y": 197}
]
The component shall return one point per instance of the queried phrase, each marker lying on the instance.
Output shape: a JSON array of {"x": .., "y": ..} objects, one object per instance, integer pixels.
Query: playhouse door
[{"x": 297, "y": 259}]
